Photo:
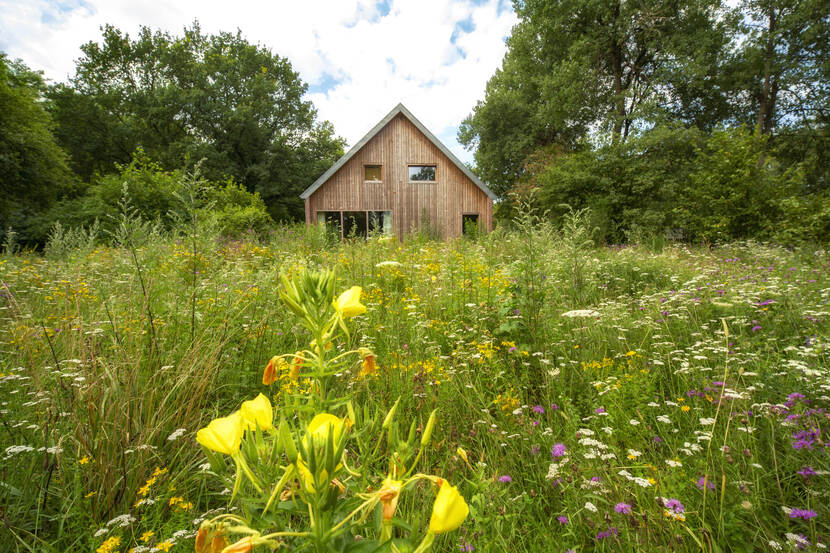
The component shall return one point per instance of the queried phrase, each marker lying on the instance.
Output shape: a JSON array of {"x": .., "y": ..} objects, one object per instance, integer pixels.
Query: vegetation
[
  {"x": 617, "y": 105},
  {"x": 591, "y": 398}
]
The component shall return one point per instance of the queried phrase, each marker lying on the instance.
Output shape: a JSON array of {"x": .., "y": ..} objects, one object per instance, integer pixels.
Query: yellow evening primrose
[
  {"x": 223, "y": 434},
  {"x": 318, "y": 430},
  {"x": 348, "y": 304},
  {"x": 449, "y": 509},
  {"x": 389, "y": 493},
  {"x": 258, "y": 412}
]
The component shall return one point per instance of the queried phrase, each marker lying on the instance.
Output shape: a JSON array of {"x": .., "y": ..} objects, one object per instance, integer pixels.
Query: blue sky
[{"x": 359, "y": 58}]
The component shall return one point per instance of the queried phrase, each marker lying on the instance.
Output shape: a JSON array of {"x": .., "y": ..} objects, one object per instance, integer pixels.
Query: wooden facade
[{"x": 396, "y": 144}]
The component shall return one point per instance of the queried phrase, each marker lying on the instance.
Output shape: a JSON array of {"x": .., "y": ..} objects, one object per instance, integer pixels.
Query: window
[
  {"x": 372, "y": 173},
  {"x": 354, "y": 224},
  {"x": 422, "y": 173},
  {"x": 329, "y": 219},
  {"x": 469, "y": 224},
  {"x": 380, "y": 222}
]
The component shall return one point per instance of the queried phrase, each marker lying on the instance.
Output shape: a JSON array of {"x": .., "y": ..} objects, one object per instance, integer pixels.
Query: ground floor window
[
  {"x": 469, "y": 224},
  {"x": 356, "y": 224}
]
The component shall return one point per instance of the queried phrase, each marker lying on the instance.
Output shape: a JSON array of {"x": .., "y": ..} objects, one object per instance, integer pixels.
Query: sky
[{"x": 359, "y": 58}]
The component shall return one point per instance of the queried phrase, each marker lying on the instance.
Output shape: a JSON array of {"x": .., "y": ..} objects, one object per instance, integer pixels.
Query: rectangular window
[
  {"x": 372, "y": 173},
  {"x": 380, "y": 222},
  {"x": 354, "y": 224},
  {"x": 330, "y": 219},
  {"x": 422, "y": 173},
  {"x": 469, "y": 224}
]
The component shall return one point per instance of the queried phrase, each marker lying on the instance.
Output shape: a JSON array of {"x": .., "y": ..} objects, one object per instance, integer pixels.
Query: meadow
[{"x": 656, "y": 397}]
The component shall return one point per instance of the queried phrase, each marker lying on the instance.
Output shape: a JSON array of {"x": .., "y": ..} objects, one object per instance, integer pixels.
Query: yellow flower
[
  {"x": 348, "y": 304},
  {"x": 318, "y": 430},
  {"x": 449, "y": 509},
  {"x": 83, "y": 460},
  {"x": 258, "y": 412},
  {"x": 146, "y": 536},
  {"x": 685, "y": 408},
  {"x": 109, "y": 545},
  {"x": 164, "y": 546},
  {"x": 223, "y": 434},
  {"x": 389, "y": 493}
]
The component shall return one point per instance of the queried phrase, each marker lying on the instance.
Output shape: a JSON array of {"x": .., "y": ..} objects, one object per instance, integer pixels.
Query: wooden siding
[{"x": 395, "y": 147}]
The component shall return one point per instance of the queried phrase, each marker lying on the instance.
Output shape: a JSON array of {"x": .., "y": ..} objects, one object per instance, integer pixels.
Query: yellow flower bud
[
  {"x": 223, "y": 434},
  {"x": 348, "y": 304},
  {"x": 258, "y": 411},
  {"x": 449, "y": 509}
]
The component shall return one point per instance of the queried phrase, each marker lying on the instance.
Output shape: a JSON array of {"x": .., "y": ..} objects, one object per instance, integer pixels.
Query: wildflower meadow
[{"x": 523, "y": 391}]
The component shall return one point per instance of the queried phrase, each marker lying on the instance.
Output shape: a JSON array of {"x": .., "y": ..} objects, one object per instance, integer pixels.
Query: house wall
[{"x": 395, "y": 147}]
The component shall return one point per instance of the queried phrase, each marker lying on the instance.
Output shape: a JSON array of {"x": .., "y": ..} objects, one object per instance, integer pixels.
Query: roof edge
[{"x": 400, "y": 108}]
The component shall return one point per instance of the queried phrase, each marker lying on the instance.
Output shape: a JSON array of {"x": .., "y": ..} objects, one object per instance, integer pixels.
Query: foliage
[
  {"x": 634, "y": 403},
  {"x": 573, "y": 66},
  {"x": 156, "y": 195},
  {"x": 197, "y": 96},
  {"x": 33, "y": 169}
]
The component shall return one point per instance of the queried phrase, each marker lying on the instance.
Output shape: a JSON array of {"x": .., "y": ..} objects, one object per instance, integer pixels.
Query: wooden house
[{"x": 396, "y": 179}]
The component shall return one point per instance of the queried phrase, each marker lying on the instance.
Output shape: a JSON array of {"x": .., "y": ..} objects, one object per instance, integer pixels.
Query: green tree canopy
[
  {"x": 33, "y": 169},
  {"x": 575, "y": 67},
  {"x": 181, "y": 99}
]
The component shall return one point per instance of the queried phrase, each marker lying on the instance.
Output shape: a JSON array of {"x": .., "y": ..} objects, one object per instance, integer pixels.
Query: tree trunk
[{"x": 766, "y": 100}]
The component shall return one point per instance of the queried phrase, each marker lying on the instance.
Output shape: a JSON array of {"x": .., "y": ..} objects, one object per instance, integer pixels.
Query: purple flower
[
  {"x": 806, "y": 472},
  {"x": 607, "y": 533},
  {"x": 466, "y": 546},
  {"x": 704, "y": 482},
  {"x": 558, "y": 450},
  {"x": 534, "y": 450},
  {"x": 674, "y": 506},
  {"x": 599, "y": 410},
  {"x": 806, "y": 514},
  {"x": 505, "y": 478},
  {"x": 623, "y": 508},
  {"x": 538, "y": 409},
  {"x": 765, "y": 302},
  {"x": 756, "y": 328},
  {"x": 554, "y": 407},
  {"x": 562, "y": 519},
  {"x": 658, "y": 439}
]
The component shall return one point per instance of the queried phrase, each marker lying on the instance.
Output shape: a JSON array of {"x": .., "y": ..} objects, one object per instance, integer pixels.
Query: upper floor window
[
  {"x": 372, "y": 173},
  {"x": 422, "y": 173}
]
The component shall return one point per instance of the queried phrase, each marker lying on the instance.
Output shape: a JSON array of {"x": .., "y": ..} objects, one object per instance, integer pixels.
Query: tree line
[
  {"x": 143, "y": 111},
  {"x": 691, "y": 119}
]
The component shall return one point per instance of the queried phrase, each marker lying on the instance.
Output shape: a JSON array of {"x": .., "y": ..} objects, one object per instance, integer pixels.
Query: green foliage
[
  {"x": 217, "y": 97},
  {"x": 573, "y": 66},
  {"x": 732, "y": 189},
  {"x": 33, "y": 169},
  {"x": 644, "y": 355},
  {"x": 234, "y": 210}
]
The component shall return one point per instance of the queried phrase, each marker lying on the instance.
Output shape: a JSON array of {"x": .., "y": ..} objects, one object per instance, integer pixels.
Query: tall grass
[{"x": 522, "y": 339}]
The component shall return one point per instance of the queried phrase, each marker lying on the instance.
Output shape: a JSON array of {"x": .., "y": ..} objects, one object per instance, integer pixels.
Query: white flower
[
  {"x": 664, "y": 419},
  {"x": 634, "y": 422},
  {"x": 707, "y": 421},
  {"x": 634, "y": 453},
  {"x": 176, "y": 434},
  {"x": 580, "y": 313},
  {"x": 590, "y": 506},
  {"x": 673, "y": 463}
]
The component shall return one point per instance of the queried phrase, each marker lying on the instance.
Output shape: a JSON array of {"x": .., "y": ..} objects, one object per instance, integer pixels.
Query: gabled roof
[{"x": 383, "y": 122}]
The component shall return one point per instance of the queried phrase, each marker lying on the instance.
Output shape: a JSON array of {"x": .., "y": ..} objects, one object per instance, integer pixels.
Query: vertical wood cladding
[{"x": 395, "y": 147}]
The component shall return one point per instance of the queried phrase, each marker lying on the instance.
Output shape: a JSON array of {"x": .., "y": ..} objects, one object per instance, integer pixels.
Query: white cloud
[{"x": 376, "y": 60}]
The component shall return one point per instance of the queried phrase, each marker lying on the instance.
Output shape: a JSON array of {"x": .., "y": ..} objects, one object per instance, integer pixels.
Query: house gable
[{"x": 395, "y": 144}]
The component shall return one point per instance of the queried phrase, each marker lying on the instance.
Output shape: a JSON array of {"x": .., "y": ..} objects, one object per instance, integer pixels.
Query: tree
[
  {"x": 782, "y": 65},
  {"x": 33, "y": 169},
  {"x": 579, "y": 67},
  {"x": 197, "y": 96}
]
